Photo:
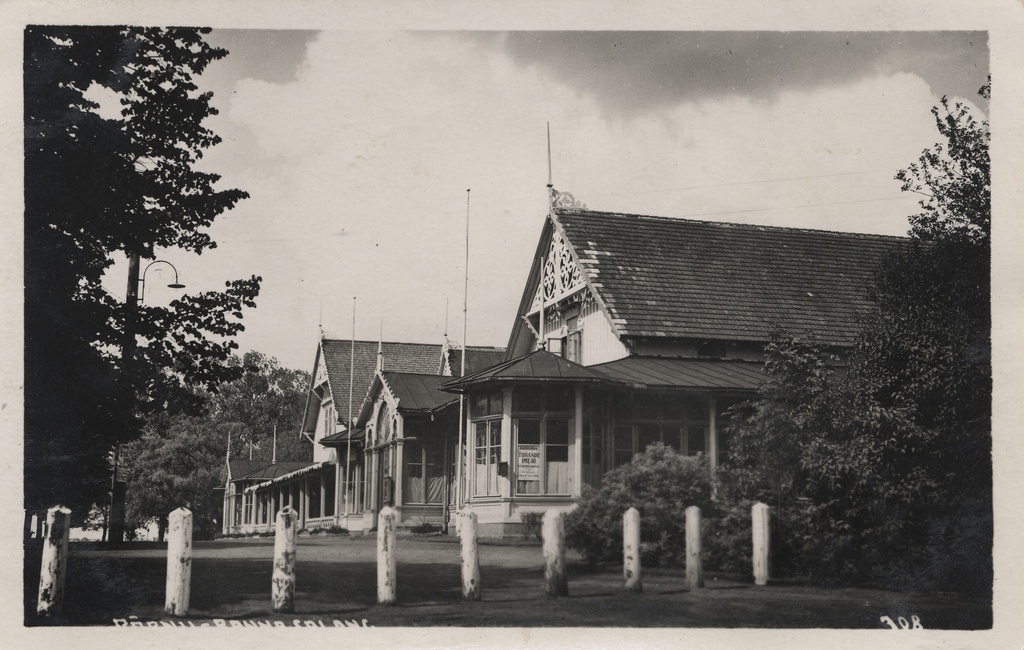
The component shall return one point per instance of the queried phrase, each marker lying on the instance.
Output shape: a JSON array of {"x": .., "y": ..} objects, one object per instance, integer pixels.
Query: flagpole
[
  {"x": 348, "y": 444},
  {"x": 462, "y": 373}
]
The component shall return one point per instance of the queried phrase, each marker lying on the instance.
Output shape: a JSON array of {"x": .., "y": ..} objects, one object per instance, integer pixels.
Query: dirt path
[{"x": 336, "y": 580}]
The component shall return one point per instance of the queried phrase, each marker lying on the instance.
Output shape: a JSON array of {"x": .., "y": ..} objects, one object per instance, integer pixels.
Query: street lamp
[
  {"x": 142, "y": 280},
  {"x": 114, "y": 528}
]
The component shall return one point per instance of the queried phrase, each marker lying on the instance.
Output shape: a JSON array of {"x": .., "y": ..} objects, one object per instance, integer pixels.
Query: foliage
[
  {"x": 96, "y": 187},
  {"x": 265, "y": 398},
  {"x": 532, "y": 524},
  {"x": 179, "y": 462},
  {"x": 660, "y": 484},
  {"x": 181, "y": 458},
  {"x": 770, "y": 436},
  {"x": 424, "y": 528},
  {"x": 894, "y": 453}
]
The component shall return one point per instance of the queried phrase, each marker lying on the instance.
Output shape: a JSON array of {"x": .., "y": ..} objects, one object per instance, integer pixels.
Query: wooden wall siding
[
  {"x": 600, "y": 344},
  {"x": 320, "y": 453}
]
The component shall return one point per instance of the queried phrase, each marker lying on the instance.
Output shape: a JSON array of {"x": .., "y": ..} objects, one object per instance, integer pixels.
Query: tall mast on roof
[
  {"x": 462, "y": 371},
  {"x": 348, "y": 423}
]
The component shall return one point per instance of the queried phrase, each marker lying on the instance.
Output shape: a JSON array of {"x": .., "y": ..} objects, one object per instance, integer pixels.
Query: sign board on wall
[{"x": 528, "y": 463}]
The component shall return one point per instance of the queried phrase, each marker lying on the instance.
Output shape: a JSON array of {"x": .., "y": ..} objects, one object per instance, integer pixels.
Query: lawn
[{"x": 336, "y": 581}]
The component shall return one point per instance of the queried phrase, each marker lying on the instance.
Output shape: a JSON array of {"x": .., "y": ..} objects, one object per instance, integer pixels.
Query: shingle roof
[
  {"x": 477, "y": 358},
  {"x": 240, "y": 467},
  {"x": 418, "y": 392},
  {"x": 683, "y": 278},
  {"x": 402, "y": 357}
]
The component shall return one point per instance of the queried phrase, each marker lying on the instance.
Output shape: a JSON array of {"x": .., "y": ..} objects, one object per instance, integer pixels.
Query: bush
[
  {"x": 659, "y": 483},
  {"x": 424, "y": 528},
  {"x": 728, "y": 540},
  {"x": 532, "y": 522}
]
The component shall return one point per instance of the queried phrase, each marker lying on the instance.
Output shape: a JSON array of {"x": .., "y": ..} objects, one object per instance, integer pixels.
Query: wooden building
[{"x": 637, "y": 329}]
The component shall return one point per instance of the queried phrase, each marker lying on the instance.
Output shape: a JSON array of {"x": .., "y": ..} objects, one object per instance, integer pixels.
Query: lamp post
[{"x": 114, "y": 531}]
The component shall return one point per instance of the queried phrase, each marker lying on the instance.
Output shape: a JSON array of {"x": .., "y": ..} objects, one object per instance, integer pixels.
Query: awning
[
  {"x": 671, "y": 373},
  {"x": 289, "y": 476}
]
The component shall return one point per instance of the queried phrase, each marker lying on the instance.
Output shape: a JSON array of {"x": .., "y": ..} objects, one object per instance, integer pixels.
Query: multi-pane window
[
  {"x": 487, "y": 438},
  {"x": 542, "y": 456},
  {"x": 542, "y": 426},
  {"x": 486, "y": 410},
  {"x": 423, "y": 480},
  {"x": 677, "y": 422}
]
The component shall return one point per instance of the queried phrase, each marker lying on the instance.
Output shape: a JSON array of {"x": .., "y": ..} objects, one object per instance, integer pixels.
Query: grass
[{"x": 336, "y": 580}]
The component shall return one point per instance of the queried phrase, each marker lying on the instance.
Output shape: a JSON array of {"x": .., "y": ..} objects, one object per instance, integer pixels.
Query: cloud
[
  {"x": 635, "y": 73},
  {"x": 380, "y": 134}
]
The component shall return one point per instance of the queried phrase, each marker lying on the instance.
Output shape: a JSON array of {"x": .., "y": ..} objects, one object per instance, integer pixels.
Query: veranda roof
[
  {"x": 672, "y": 373},
  {"x": 290, "y": 475},
  {"x": 539, "y": 366}
]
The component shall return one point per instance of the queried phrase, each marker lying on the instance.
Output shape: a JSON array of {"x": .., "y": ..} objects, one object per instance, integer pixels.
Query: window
[
  {"x": 487, "y": 436},
  {"x": 542, "y": 456},
  {"x": 574, "y": 340},
  {"x": 423, "y": 480}
]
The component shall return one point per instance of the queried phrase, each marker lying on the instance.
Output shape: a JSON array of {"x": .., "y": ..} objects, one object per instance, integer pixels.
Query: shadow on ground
[{"x": 336, "y": 580}]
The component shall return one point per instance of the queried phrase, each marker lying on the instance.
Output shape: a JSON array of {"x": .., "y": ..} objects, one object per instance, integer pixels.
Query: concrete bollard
[
  {"x": 283, "y": 593},
  {"x": 694, "y": 556},
  {"x": 553, "y": 531},
  {"x": 470, "y": 556},
  {"x": 760, "y": 518},
  {"x": 387, "y": 587},
  {"x": 179, "y": 562},
  {"x": 54, "y": 568},
  {"x": 631, "y": 567}
]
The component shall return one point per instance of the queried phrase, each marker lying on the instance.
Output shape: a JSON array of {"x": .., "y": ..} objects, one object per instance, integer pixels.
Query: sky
[{"x": 358, "y": 148}]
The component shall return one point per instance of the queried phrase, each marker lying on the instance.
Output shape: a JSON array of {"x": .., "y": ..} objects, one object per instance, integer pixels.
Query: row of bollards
[{"x": 179, "y": 556}]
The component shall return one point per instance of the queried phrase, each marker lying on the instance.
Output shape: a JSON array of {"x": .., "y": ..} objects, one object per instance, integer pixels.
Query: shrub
[
  {"x": 728, "y": 540},
  {"x": 532, "y": 522},
  {"x": 424, "y": 528},
  {"x": 334, "y": 529},
  {"x": 659, "y": 483}
]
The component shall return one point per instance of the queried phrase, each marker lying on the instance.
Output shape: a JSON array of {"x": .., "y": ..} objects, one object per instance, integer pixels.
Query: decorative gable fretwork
[
  {"x": 321, "y": 374},
  {"x": 561, "y": 277}
]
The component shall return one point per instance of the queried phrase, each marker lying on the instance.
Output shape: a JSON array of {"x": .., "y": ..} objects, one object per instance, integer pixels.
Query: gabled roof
[
  {"x": 682, "y": 278},
  {"x": 337, "y": 355},
  {"x": 540, "y": 366},
  {"x": 477, "y": 358},
  {"x": 417, "y": 392}
]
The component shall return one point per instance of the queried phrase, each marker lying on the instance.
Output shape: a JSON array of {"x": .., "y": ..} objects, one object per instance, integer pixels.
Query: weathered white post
[
  {"x": 631, "y": 569},
  {"x": 283, "y": 593},
  {"x": 470, "y": 555},
  {"x": 694, "y": 557},
  {"x": 179, "y": 562},
  {"x": 760, "y": 518},
  {"x": 54, "y": 569},
  {"x": 553, "y": 531},
  {"x": 387, "y": 587}
]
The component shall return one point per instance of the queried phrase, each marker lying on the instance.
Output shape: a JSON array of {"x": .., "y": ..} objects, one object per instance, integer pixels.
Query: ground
[{"x": 336, "y": 581}]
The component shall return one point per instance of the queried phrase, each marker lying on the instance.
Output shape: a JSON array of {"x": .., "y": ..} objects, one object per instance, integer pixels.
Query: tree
[
  {"x": 894, "y": 453},
  {"x": 267, "y": 397},
  {"x": 96, "y": 187},
  {"x": 180, "y": 459}
]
